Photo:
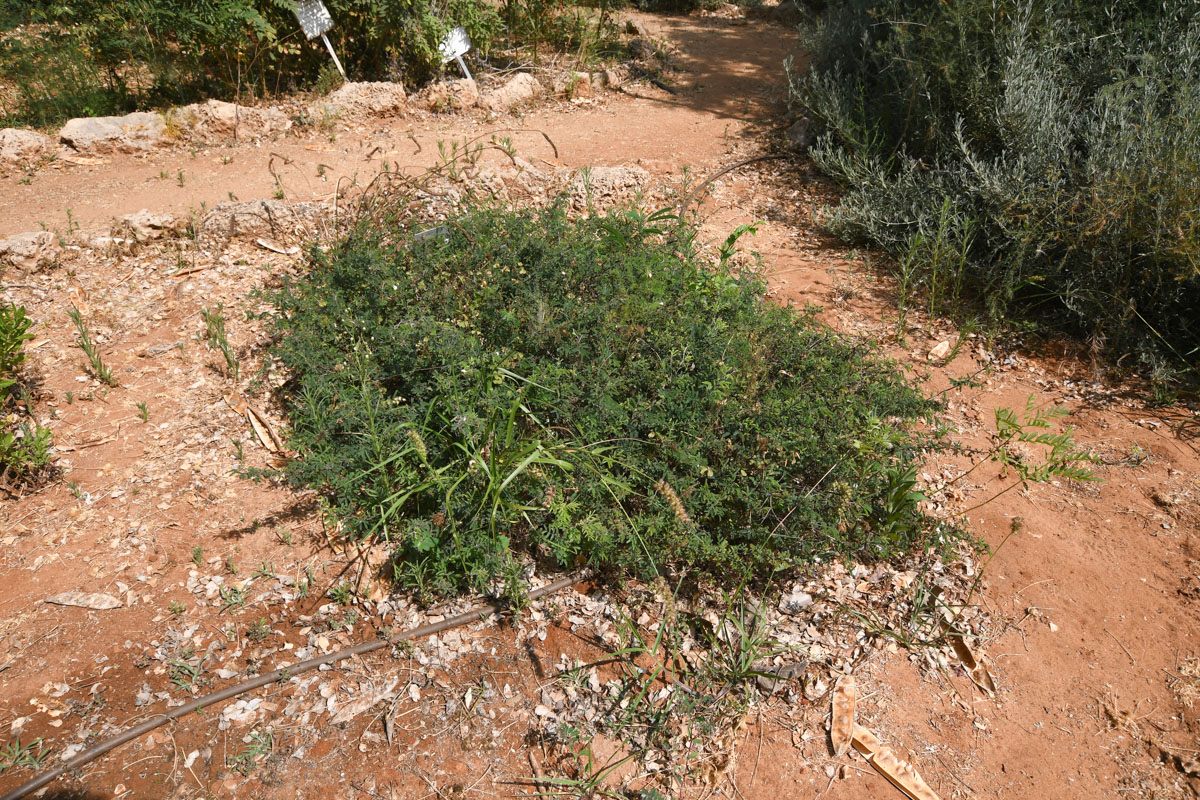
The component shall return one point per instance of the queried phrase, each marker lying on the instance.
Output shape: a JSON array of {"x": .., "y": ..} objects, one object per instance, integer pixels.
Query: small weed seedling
[
  {"x": 214, "y": 331},
  {"x": 16, "y": 754},
  {"x": 103, "y": 373},
  {"x": 232, "y": 597},
  {"x": 342, "y": 594},
  {"x": 1061, "y": 457},
  {"x": 729, "y": 247},
  {"x": 259, "y": 632},
  {"x": 198, "y": 556},
  {"x": 14, "y": 332},
  {"x": 143, "y": 411},
  {"x": 176, "y": 608},
  {"x": 261, "y": 745},
  {"x": 185, "y": 671}
]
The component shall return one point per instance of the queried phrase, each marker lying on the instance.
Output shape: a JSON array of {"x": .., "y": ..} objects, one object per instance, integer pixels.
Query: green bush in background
[
  {"x": 586, "y": 391},
  {"x": 91, "y": 57},
  {"x": 1039, "y": 158}
]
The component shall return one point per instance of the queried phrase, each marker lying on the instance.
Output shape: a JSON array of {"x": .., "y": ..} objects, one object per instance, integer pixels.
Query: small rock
[
  {"x": 239, "y": 218},
  {"x": 939, "y": 351},
  {"x": 22, "y": 147},
  {"x": 642, "y": 48},
  {"x": 520, "y": 88},
  {"x": 646, "y": 55},
  {"x": 146, "y": 225},
  {"x": 606, "y": 184},
  {"x": 573, "y": 84},
  {"x": 790, "y": 13},
  {"x": 636, "y": 27},
  {"x": 615, "y": 77},
  {"x": 241, "y": 713},
  {"x": 30, "y": 250},
  {"x": 378, "y": 98},
  {"x": 216, "y": 118},
  {"x": 795, "y": 603},
  {"x": 799, "y": 134},
  {"x": 451, "y": 95},
  {"x": 94, "y": 600},
  {"x": 131, "y": 133}
]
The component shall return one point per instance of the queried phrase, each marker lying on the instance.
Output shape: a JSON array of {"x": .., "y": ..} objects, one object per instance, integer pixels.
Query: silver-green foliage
[{"x": 1042, "y": 155}]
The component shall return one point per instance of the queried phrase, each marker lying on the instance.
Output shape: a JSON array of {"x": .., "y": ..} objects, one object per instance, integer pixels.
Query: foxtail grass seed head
[
  {"x": 419, "y": 445},
  {"x": 668, "y": 494}
]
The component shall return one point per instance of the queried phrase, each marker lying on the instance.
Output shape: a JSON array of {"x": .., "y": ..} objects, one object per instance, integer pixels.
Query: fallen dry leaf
[
  {"x": 79, "y": 298},
  {"x": 236, "y": 401},
  {"x": 866, "y": 742},
  {"x": 841, "y": 722},
  {"x": 976, "y": 671},
  {"x": 93, "y": 600},
  {"x": 898, "y": 772},
  {"x": 274, "y": 248},
  {"x": 362, "y": 704},
  {"x": 902, "y": 775},
  {"x": 263, "y": 430}
]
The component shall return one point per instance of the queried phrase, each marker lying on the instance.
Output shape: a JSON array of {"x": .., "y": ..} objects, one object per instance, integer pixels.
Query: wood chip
[
  {"x": 841, "y": 723},
  {"x": 84, "y": 161}
]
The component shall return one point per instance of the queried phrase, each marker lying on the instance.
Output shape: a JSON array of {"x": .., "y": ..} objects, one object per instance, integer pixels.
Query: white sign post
[
  {"x": 315, "y": 21},
  {"x": 456, "y": 44}
]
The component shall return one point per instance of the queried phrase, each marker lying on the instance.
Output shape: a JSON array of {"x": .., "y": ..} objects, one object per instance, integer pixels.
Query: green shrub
[
  {"x": 24, "y": 448},
  {"x": 1037, "y": 157},
  {"x": 92, "y": 57},
  {"x": 14, "y": 332},
  {"x": 562, "y": 25},
  {"x": 587, "y": 391}
]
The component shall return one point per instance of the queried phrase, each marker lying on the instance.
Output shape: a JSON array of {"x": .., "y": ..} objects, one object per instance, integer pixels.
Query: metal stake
[
  {"x": 462, "y": 65},
  {"x": 329, "y": 47}
]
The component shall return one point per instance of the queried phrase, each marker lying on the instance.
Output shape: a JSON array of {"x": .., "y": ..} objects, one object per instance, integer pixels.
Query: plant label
[
  {"x": 457, "y": 43},
  {"x": 314, "y": 18}
]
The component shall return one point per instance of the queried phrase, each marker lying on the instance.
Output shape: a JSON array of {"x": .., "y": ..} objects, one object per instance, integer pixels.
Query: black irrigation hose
[{"x": 207, "y": 700}]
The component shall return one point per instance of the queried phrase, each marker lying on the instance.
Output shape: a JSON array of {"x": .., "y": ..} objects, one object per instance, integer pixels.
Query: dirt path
[
  {"x": 1093, "y": 602},
  {"x": 731, "y": 87}
]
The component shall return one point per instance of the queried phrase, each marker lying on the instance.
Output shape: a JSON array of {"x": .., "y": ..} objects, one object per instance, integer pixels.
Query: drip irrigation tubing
[{"x": 276, "y": 676}]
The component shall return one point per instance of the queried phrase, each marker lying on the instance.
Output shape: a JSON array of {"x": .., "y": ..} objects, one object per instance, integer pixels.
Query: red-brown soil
[{"x": 1093, "y": 602}]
